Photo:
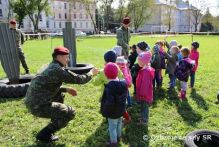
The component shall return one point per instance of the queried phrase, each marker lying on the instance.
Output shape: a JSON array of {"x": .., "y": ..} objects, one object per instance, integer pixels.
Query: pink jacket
[
  {"x": 144, "y": 84},
  {"x": 194, "y": 55},
  {"x": 126, "y": 73}
]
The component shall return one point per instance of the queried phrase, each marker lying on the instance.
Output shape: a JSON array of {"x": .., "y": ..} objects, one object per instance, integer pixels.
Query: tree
[
  {"x": 89, "y": 7},
  {"x": 106, "y": 7},
  {"x": 34, "y": 8},
  {"x": 140, "y": 11},
  {"x": 121, "y": 11},
  {"x": 198, "y": 9},
  {"x": 20, "y": 12},
  {"x": 168, "y": 13}
]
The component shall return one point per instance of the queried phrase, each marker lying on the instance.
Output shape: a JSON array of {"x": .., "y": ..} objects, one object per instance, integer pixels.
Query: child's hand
[
  {"x": 94, "y": 71},
  {"x": 121, "y": 65},
  {"x": 71, "y": 91}
]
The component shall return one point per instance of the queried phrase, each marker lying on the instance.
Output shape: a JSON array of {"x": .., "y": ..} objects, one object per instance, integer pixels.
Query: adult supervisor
[
  {"x": 19, "y": 41},
  {"x": 123, "y": 36},
  {"x": 44, "y": 97}
]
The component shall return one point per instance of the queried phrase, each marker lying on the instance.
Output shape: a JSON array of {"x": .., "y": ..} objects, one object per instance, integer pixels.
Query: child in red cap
[
  {"x": 144, "y": 85},
  {"x": 113, "y": 102}
]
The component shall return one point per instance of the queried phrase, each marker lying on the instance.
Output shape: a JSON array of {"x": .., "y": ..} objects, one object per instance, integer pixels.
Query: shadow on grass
[
  {"x": 199, "y": 100},
  {"x": 132, "y": 134},
  {"x": 41, "y": 144},
  {"x": 5, "y": 100},
  {"x": 99, "y": 137},
  {"x": 184, "y": 109},
  {"x": 159, "y": 95}
]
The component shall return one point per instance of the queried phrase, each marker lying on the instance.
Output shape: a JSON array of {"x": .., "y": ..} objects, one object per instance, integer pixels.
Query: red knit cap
[
  {"x": 126, "y": 20},
  {"x": 61, "y": 50},
  {"x": 111, "y": 70},
  {"x": 13, "y": 22}
]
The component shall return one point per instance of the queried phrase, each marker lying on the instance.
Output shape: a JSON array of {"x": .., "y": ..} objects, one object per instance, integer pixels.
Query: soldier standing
[
  {"x": 123, "y": 36},
  {"x": 19, "y": 42},
  {"x": 44, "y": 97}
]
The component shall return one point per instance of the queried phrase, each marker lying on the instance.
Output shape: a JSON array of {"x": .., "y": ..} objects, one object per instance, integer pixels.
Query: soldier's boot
[
  {"x": 46, "y": 135},
  {"x": 27, "y": 71}
]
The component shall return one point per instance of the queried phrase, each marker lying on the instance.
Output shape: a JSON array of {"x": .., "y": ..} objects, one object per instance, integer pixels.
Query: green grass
[{"x": 168, "y": 115}]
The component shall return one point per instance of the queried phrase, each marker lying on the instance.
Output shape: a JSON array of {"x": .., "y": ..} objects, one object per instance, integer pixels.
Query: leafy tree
[
  {"x": 18, "y": 9},
  {"x": 140, "y": 11},
  {"x": 34, "y": 8}
]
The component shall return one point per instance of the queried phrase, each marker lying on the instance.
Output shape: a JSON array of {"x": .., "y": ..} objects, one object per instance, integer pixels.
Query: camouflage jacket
[
  {"x": 123, "y": 37},
  {"x": 47, "y": 84},
  {"x": 19, "y": 38}
]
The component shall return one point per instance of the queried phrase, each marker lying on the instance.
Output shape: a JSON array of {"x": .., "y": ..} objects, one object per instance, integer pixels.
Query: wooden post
[{"x": 70, "y": 42}]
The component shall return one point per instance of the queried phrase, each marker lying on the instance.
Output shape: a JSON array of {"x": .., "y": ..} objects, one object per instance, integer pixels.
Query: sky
[{"x": 214, "y": 10}]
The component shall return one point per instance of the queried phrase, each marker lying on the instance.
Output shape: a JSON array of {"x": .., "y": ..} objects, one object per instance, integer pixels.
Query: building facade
[
  {"x": 4, "y": 10},
  {"x": 61, "y": 11},
  {"x": 172, "y": 16}
]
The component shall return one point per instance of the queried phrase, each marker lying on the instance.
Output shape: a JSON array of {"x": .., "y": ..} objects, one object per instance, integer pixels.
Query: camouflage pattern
[
  {"x": 19, "y": 41},
  {"x": 44, "y": 96},
  {"x": 123, "y": 38},
  {"x": 19, "y": 38},
  {"x": 22, "y": 59}
]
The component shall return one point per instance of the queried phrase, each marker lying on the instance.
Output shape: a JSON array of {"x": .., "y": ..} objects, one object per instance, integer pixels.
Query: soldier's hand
[
  {"x": 94, "y": 71},
  {"x": 72, "y": 91}
]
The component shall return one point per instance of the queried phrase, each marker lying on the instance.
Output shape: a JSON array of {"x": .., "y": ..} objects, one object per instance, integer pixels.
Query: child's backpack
[
  {"x": 162, "y": 60},
  {"x": 155, "y": 62},
  {"x": 182, "y": 70}
]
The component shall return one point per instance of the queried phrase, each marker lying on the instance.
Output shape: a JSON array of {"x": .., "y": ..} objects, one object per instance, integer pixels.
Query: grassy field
[{"x": 168, "y": 115}]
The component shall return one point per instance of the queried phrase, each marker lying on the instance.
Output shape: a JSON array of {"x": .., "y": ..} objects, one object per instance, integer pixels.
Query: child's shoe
[
  {"x": 109, "y": 144},
  {"x": 142, "y": 123},
  {"x": 182, "y": 95}
]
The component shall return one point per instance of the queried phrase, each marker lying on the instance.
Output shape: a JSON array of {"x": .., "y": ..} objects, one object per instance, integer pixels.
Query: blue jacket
[{"x": 114, "y": 99}]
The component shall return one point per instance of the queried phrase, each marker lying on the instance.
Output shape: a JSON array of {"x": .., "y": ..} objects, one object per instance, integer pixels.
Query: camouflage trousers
[
  {"x": 22, "y": 59},
  {"x": 59, "y": 113},
  {"x": 125, "y": 53}
]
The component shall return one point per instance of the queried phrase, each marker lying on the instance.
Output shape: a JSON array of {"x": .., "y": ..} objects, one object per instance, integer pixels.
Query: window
[
  {"x": 81, "y": 25},
  {"x": 47, "y": 24},
  {"x": 65, "y": 15},
  {"x": 86, "y": 24},
  {"x": 74, "y": 5},
  {"x": 54, "y": 24},
  {"x": 86, "y": 16},
  {"x": 75, "y": 24},
  {"x": 80, "y": 16},
  {"x": 22, "y": 25},
  {"x": 60, "y": 25},
  {"x": 81, "y": 7},
  {"x": 1, "y": 12},
  {"x": 60, "y": 16},
  {"x": 0, "y": 2},
  {"x": 75, "y": 16},
  {"x": 40, "y": 17},
  {"x": 65, "y": 6}
]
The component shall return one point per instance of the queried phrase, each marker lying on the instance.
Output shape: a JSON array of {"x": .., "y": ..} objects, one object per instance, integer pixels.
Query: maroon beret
[
  {"x": 126, "y": 20},
  {"x": 13, "y": 22},
  {"x": 61, "y": 51}
]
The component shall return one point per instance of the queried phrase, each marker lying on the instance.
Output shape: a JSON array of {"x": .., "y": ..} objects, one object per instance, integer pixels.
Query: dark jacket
[
  {"x": 156, "y": 61},
  {"x": 132, "y": 58},
  {"x": 184, "y": 69},
  {"x": 114, "y": 99}
]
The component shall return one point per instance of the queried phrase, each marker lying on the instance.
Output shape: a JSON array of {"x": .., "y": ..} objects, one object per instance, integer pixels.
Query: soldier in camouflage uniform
[
  {"x": 19, "y": 41},
  {"x": 123, "y": 37},
  {"x": 44, "y": 97}
]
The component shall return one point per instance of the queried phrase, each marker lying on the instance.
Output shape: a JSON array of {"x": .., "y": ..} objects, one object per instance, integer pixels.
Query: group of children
[{"x": 146, "y": 75}]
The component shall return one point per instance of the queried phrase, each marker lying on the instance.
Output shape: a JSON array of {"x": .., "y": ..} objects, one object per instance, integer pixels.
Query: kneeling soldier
[{"x": 44, "y": 97}]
